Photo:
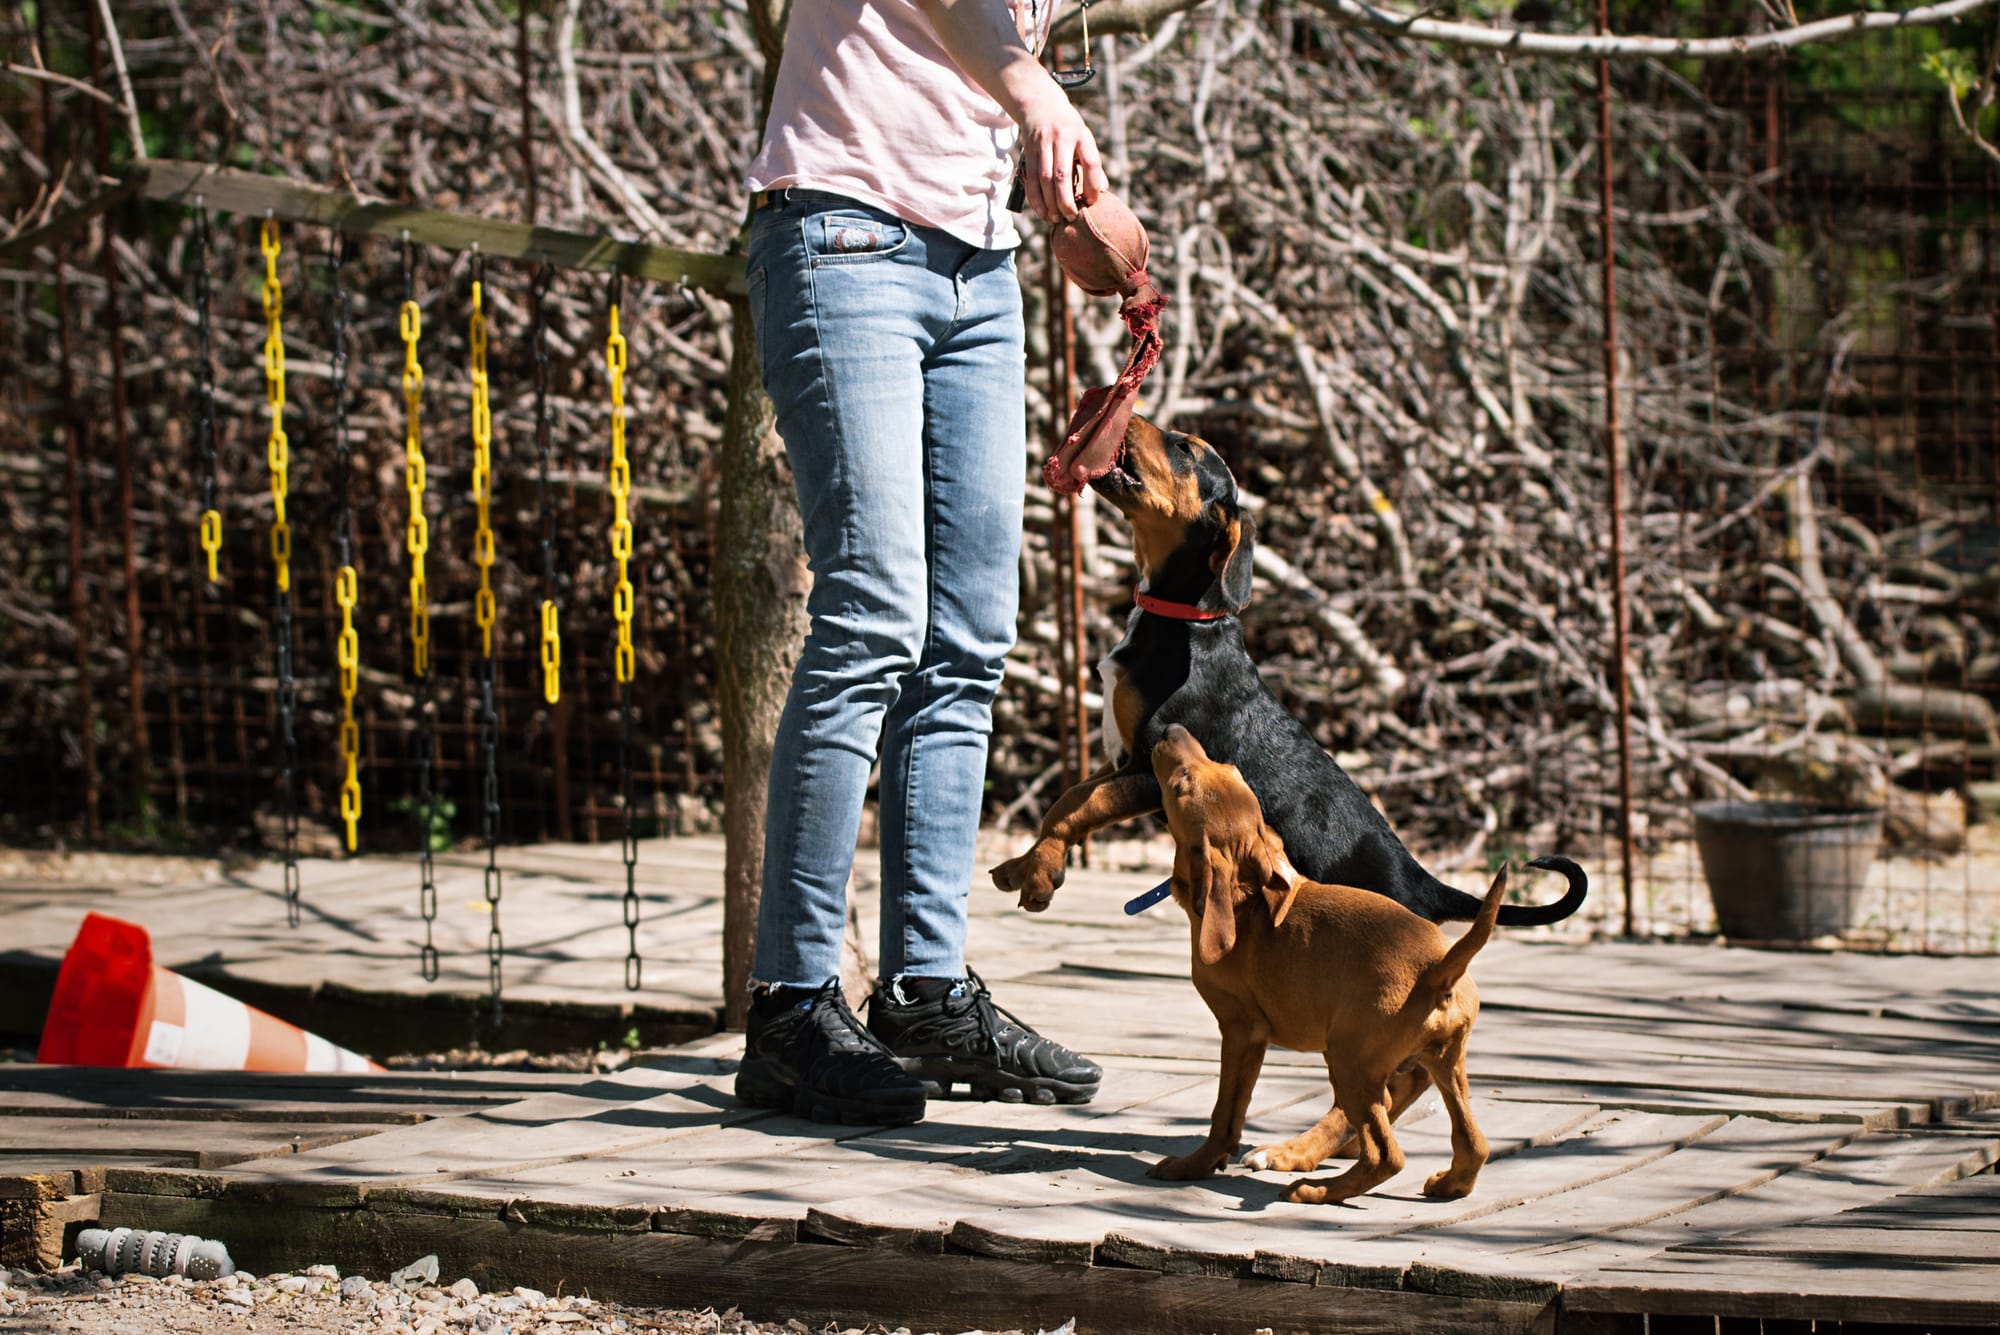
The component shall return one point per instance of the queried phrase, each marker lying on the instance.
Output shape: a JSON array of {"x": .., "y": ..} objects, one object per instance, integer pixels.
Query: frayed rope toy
[{"x": 1104, "y": 250}]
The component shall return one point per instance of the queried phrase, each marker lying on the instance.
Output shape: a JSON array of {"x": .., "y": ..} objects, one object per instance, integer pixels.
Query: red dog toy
[{"x": 1103, "y": 250}]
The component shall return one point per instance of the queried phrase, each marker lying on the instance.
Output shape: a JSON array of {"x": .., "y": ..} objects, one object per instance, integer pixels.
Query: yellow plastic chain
[
  {"x": 347, "y": 652},
  {"x": 417, "y": 538},
  {"x": 277, "y": 451},
  {"x": 482, "y": 472},
  {"x": 621, "y": 491},
  {"x": 211, "y": 542},
  {"x": 551, "y": 652}
]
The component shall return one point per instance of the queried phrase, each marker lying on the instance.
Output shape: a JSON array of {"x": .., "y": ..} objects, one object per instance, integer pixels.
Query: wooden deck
[{"x": 1680, "y": 1133}]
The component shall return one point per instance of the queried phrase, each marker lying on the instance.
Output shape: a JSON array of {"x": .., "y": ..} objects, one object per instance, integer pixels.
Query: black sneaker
[
  {"x": 806, "y": 1051},
  {"x": 961, "y": 1036}
]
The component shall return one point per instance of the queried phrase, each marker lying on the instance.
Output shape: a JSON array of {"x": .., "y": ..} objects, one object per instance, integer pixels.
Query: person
[{"x": 887, "y": 316}]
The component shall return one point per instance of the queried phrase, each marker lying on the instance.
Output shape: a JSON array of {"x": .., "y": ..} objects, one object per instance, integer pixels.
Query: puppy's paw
[
  {"x": 1202, "y": 1163},
  {"x": 1035, "y": 878},
  {"x": 1279, "y": 1158},
  {"x": 1320, "y": 1191},
  {"x": 1447, "y": 1185}
]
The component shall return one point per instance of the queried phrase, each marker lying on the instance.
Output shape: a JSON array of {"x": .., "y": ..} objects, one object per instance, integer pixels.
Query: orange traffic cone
[{"x": 114, "y": 1007}]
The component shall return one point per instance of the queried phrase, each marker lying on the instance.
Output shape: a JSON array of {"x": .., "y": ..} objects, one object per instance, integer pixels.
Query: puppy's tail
[
  {"x": 1541, "y": 915},
  {"x": 1444, "y": 975}
]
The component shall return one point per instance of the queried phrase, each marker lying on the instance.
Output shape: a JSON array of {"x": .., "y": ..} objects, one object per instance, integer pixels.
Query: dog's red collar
[{"x": 1178, "y": 611}]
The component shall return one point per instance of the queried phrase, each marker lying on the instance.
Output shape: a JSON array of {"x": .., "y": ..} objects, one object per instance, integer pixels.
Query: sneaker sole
[
  {"x": 760, "y": 1090},
  {"x": 983, "y": 1082}
]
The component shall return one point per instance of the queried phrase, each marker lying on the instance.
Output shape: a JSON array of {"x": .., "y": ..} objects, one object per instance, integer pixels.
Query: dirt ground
[{"x": 318, "y": 1301}]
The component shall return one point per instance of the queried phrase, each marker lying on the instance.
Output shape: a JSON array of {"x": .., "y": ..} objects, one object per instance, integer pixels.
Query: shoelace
[
  {"x": 849, "y": 1036},
  {"x": 989, "y": 1013}
]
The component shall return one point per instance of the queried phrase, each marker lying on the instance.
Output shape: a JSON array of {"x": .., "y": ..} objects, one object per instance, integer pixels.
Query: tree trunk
[{"x": 760, "y": 598}]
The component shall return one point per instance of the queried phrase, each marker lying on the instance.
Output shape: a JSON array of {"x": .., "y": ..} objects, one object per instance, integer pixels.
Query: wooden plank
[
  {"x": 1783, "y": 1025},
  {"x": 1741, "y": 1154},
  {"x": 1904, "y": 1296},
  {"x": 781, "y": 1165},
  {"x": 1860, "y": 1172},
  {"x": 253, "y": 196},
  {"x": 624, "y": 1110},
  {"x": 1244, "y": 1214},
  {"x": 1862, "y": 1114},
  {"x": 1905, "y": 1242},
  {"x": 388, "y": 1097},
  {"x": 1983, "y": 1190},
  {"x": 770, "y": 1281},
  {"x": 195, "y": 1144},
  {"x": 32, "y": 1232}
]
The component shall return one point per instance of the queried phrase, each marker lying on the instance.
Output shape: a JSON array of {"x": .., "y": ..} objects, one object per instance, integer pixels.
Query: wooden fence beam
[{"x": 247, "y": 193}]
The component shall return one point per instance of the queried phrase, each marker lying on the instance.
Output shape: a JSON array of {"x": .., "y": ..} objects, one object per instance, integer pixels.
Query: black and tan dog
[
  {"x": 1183, "y": 661},
  {"x": 1316, "y": 968}
]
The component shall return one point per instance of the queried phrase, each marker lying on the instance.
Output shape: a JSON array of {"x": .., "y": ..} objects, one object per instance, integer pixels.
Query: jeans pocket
[{"x": 853, "y": 238}]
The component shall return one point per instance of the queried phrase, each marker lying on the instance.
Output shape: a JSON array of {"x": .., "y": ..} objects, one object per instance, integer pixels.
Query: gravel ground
[{"x": 318, "y": 1301}]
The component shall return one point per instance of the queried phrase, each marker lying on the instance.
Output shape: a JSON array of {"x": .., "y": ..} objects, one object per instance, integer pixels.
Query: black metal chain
[
  {"x": 343, "y": 449},
  {"x": 629, "y": 844},
  {"x": 489, "y": 741},
  {"x": 427, "y": 897},
  {"x": 204, "y": 419},
  {"x": 539, "y": 295},
  {"x": 489, "y": 715},
  {"x": 347, "y": 582},
  {"x": 288, "y": 740},
  {"x": 279, "y": 456}
]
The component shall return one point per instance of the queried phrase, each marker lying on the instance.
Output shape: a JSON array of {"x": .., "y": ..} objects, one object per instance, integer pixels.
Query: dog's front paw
[
  {"x": 1323, "y": 1191},
  {"x": 1279, "y": 1158},
  {"x": 1202, "y": 1163},
  {"x": 1034, "y": 876},
  {"x": 1449, "y": 1184}
]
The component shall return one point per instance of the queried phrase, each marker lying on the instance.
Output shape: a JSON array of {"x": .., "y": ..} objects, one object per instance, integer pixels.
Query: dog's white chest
[{"x": 1111, "y": 679}]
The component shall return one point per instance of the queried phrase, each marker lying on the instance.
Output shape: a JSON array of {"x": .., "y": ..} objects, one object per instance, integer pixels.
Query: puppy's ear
[
  {"x": 1276, "y": 877},
  {"x": 1232, "y": 559},
  {"x": 1212, "y": 885}
]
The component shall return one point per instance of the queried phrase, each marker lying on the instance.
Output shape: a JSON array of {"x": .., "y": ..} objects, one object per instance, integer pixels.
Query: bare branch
[
  {"x": 1138, "y": 16},
  {"x": 124, "y": 80}
]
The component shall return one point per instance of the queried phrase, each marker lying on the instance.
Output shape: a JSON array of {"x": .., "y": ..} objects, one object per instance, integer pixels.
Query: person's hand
[{"x": 1060, "y": 167}]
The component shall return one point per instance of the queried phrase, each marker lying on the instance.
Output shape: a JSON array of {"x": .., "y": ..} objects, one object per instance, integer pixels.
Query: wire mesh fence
[{"x": 1386, "y": 269}]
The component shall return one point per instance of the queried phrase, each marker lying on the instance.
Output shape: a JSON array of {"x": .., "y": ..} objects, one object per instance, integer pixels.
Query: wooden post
[
  {"x": 760, "y": 598},
  {"x": 1614, "y": 459}
]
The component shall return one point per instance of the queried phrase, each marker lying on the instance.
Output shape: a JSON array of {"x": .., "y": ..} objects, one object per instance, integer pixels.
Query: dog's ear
[
  {"x": 1276, "y": 877},
  {"x": 1232, "y": 559},
  {"x": 1212, "y": 885}
]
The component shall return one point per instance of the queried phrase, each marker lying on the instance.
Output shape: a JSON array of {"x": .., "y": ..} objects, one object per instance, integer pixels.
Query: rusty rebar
[
  {"x": 75, "y": 449},
  {"x": 525, "y": 79},
  {"x": 114, "y": 326},
  {"x": 1615, "y": 476}
]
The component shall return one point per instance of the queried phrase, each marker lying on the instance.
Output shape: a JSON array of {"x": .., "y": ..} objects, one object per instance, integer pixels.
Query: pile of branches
[{"x": 1385, "y": 264}]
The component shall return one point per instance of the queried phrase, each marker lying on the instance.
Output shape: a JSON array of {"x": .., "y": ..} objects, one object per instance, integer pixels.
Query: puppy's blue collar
[{"x": 1141, "y": 902}]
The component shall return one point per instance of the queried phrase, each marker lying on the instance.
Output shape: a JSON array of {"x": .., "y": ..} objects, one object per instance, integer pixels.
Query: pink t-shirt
[{"x": 869, "y": 104}]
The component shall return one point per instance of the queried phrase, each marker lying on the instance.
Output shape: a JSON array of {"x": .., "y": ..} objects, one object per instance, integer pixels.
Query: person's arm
[{"x": 1058, "y": 152}]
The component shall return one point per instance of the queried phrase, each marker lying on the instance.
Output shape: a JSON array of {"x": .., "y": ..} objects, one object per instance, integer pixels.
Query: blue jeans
[{"x": 894, "y": 356}]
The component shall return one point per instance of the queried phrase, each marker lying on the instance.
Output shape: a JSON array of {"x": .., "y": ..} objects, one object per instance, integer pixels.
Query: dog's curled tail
[
  {"x": 1444, "y": 975},
  {"x": 1541, "y": 915}
]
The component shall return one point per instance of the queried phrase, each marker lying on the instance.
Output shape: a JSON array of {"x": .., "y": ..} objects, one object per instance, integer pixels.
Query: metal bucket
[{"x": 1785, "y": 871}]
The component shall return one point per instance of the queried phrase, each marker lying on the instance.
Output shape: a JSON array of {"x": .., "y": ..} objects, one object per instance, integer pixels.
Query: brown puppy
[{"x": 1315, "y": 968}]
